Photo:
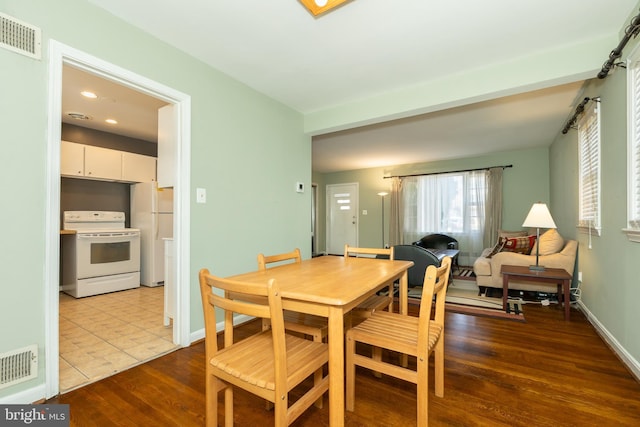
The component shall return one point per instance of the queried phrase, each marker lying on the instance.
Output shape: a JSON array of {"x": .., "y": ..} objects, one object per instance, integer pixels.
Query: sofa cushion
[
  {"x": 521, "y": 245},
  {"x": 551, "y": 242}
]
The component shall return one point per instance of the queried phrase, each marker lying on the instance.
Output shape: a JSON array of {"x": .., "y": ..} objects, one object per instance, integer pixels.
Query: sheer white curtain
[{"x": 451, "y": 204}]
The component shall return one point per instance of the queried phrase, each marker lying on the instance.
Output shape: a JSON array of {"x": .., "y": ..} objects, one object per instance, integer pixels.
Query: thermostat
[{"x": 300, "y": 187}]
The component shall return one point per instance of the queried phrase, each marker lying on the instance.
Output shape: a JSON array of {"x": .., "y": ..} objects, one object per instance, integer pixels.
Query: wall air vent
[
  {"x": 18, "y": 365},
  {"x": 20, "y": 37}
]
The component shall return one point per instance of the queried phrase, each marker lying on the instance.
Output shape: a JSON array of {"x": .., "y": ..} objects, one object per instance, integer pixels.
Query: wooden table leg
[
  {"x": 505, "y": 290},
  {"x": 336, "y": 367}
]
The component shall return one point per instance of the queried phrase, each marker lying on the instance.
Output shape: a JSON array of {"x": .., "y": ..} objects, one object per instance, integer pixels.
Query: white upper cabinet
[
  {"x": 71, "y": 159},
  {"x": 102, "y": 163},
  {"x": 90, "y": 162},
  {"x": 138, "y": 168}
]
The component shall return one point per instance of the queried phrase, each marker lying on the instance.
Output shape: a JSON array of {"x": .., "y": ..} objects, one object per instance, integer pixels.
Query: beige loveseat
[{"x": 487, "y": 266}]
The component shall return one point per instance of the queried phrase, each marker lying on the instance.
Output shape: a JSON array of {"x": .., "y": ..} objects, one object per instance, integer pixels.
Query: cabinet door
[
  {"x": 71, "y": 159},
  {"x": 102, "y": 163},
  {"x": 167, "y": 137},
  {"x": 138, "y": 168}
]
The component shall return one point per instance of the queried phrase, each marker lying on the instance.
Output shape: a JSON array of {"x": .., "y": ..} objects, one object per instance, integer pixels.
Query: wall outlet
[
  {"x": 579, "y": 276},
  {"x": 364, "y": 212}
]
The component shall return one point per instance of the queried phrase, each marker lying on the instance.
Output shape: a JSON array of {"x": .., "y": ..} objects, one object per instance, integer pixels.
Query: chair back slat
[
  {"x": 239, "y": 306},
  {"x": 264, "y": 260},
  {"x": 350, "y": 251}
]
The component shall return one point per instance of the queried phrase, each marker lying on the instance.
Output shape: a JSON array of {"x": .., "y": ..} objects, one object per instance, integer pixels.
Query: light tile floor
[{"x": 105, "y": 334}]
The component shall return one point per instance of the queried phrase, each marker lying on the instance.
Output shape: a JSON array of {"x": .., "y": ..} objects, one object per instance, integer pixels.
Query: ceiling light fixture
[
  {"x": 111, "y": 121},
  {"x": 88, "y": 94},
  {"x": 317, "y": 7},
  {"x": 79, "y": 116}
]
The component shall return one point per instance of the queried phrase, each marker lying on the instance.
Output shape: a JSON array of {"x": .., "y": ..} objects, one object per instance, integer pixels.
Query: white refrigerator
[{"x": 152, "y": 213}]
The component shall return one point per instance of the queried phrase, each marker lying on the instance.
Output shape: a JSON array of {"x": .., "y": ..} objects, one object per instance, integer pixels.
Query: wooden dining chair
[
  {"x": 314, "y": 326},
  {"x": 407, "y": 335},
  {"x": 374, "y": 302},
  {"x": 268, "y": 364}
]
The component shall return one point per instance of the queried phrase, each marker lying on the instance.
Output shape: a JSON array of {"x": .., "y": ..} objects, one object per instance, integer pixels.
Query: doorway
[
  {"x": 342, "y": 217},
  {"x": 60, "y": 55}
]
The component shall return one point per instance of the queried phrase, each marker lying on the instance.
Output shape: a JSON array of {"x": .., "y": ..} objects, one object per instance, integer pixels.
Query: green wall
[
  {"x": 523, "y": 184},
  {"x": 610, "y": 287},
  {"x": 247, "y": 150}
]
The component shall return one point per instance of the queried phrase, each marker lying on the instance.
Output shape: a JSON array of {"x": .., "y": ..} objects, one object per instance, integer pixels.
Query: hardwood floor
[{"x": 545, "y": 372}]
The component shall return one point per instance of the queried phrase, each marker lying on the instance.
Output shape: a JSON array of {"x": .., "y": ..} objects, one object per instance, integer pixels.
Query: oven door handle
[{"x": 97, "y": 236}]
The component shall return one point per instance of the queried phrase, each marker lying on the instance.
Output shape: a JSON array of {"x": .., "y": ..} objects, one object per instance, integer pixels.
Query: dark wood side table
[{"x": 556, "y": 276}]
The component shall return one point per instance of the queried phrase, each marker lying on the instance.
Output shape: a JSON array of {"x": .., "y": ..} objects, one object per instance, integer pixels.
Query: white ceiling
[
  {"x": 368, "y": 48},
  {"x": 136, "y": 113}
]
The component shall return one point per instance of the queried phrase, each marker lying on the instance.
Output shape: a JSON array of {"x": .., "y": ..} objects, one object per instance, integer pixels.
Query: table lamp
[{"x": 539, "y": 217}]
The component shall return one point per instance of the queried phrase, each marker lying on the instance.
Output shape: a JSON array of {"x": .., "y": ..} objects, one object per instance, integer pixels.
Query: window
[
  {"x": 589, "y": 169},
  {"x": 452, "y": 204},
  {"x": 633, "y": 151}
]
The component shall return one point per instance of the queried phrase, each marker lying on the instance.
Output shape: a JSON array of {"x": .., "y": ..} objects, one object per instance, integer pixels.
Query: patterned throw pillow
[
  {"x": 521, "y": 245},
  {"x": 497, "y": 248},
  {"x": 507, "y": 233}
]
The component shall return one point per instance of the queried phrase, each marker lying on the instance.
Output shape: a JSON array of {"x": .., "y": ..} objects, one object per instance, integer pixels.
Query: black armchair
[
  {"x": 421, "y": 257},
  {"x": 437, "y": 241}
]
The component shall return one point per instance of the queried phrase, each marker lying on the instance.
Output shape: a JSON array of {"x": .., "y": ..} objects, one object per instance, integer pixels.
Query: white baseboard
[
  {"x": 628, "y": 360},
  {"x": 25, "y": 397},
  {"x": 199, "y": 334}
]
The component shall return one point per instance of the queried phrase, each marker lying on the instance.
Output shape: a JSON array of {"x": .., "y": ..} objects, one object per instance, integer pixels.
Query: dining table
[{"x": 330, "y": 286}]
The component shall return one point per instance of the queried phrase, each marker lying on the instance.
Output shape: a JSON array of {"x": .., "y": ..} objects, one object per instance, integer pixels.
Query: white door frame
[{"x": 60, "y": 54}]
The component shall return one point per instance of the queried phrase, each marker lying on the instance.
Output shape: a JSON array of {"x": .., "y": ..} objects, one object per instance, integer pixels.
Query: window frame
[
  {"x": 416, "y": 212},
  {"x": 590, "y": 139},
  {"x": 633, "y": 147}
]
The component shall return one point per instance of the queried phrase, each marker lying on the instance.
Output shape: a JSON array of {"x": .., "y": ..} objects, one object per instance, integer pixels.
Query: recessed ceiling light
[
  {"x": 88, "y": 94},
  {"x": 112, "y": 121}
]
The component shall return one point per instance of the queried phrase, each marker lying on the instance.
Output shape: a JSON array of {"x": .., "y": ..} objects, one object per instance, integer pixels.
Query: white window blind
[
  {"x": 633, "y": 170},
  {"x": 589, "y": 178}
]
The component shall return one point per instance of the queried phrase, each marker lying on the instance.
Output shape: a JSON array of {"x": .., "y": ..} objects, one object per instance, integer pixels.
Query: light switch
[
  {"x": 364, "y": 212},
  {"x": 201, "y": 195}
]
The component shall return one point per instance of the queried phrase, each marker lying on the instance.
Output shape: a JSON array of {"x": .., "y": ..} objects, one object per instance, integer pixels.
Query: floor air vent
[
  {"x": 20, "y": 37},
  {"x": 18, "y": 365}
]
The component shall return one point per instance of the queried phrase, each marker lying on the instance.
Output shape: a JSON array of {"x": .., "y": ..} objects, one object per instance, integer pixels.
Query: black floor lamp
[{"x": 382, "y": 194}]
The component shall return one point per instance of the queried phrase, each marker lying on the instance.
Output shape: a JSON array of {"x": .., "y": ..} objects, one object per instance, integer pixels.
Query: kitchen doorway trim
[{"x": 60, "y": 54}]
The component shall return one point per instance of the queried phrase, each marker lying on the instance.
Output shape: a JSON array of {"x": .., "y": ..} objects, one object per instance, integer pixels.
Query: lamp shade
[{"x": 539, "y": 217}]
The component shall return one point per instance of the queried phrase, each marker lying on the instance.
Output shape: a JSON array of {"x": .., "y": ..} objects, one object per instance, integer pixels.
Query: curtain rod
[
  {"x": 440, "y": 173},
  {"x": 579, "y": 110},
  {"x": 632, "y": 30}
]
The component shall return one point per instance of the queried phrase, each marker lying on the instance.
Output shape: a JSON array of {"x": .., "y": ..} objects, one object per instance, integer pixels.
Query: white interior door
[{"x": 342, "y": 217}]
